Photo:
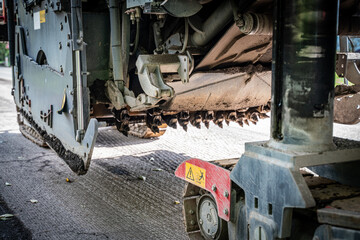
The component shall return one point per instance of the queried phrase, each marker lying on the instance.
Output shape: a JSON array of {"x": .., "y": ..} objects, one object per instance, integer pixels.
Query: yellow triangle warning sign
[
  {"x": 190, "y": 175},
  {"x": 195, "y": 174}
]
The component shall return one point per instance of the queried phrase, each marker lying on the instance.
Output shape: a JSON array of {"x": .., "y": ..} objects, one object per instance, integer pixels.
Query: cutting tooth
[
  {"x": 253, "y": 117},
  {"x": 232, "y": 116},
  {"x": 123, "y": 128},
  {"x": 240, "y": 122},
  {"x": 195, "y": 119},
  {"x": 207, "y": 117},
  {"x": 198, "y": 120},
  {"x": 122, "y": 121},
  {"x": 240, "y": 114},
  {"x": 173, "y": 123},
  {"x": 183, "y": 119},
  {"x": 253, "y": 122},
  {"x": 183, "y": 124},
  {"x": 154, "y": 129},
  {"x": 246, "y": 121},
  {"x": 267, "y": 107},
  {"x": 170, "y": 120},
  {"x": 219, "y": 118},
  {"x": 157, "y": 121},
  {"x": 153, "y": 120},
  {"x": 263, "y": 116},
  {"x": 226, "y": 118},
  {"x": 193, "y": 122}
]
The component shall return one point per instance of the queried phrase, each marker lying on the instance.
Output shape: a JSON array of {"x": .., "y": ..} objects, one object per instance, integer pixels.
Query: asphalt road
[{"x": 110, "y": 201}]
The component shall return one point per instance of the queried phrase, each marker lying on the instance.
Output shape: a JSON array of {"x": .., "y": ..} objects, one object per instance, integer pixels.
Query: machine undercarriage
[
  {"x": 141, "y": 66},
  {"x": 144, "y": 65}
]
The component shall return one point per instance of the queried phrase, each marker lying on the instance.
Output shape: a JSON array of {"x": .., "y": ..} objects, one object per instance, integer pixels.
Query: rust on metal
[
  {"x": 237, "y": 47},
  {"x": 347, "y": 104},
  {"x": 333, "y": 192},
  {"x": 215, "y": 91},
  {"x": 350, "y": 204}
]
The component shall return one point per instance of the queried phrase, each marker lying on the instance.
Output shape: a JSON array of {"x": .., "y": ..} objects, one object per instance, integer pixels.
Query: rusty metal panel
[
  {"x": 350, "y": 204},
  {"x": 347, "y": 109},
  {"x": 236, "y": 47},
  {"x": 229, "y": 90},
  {"x": 324, "y": 195}
]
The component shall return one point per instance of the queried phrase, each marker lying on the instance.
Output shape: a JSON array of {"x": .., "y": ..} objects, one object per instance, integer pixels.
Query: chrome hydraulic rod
[
  {"x": 79, "y": 94},
  {"x": 77, "y": 34},
  {"x": 303, "y": 75}
]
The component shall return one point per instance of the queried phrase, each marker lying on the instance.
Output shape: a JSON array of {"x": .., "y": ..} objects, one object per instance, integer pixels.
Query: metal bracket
[
  {"x": 63, "y": 103},
  {"x": 151, "y": 67},
  {"x": 47, "y": 116},
  {"x": 114, "y": 94},
  {"x": 141, "y": 102},
  {"x": 346, "y": 66}
]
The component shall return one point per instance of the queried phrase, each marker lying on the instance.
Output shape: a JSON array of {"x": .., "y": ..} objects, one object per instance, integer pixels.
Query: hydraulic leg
[{"x": 303, "y": 69}]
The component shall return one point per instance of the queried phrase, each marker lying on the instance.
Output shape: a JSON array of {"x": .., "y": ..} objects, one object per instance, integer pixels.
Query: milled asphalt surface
[{"x": 110, "y": 201}]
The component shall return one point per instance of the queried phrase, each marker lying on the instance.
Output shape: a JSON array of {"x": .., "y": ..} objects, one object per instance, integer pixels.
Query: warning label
[
  {"x": 42, "y": 16},
  {"x": 39, "y": 17},
  {"x": 195, "y": 174}
]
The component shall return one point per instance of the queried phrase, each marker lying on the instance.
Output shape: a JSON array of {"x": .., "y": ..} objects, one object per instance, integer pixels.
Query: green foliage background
[{"x": 3, "y": 51}]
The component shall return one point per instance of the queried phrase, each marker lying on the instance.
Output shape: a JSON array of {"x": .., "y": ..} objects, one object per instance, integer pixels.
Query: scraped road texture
[{"x": 130, "y": 191}]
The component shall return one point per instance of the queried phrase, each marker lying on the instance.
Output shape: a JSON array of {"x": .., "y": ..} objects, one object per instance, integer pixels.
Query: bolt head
[
  {"x": 200, "y": 221},
  {"x": 214, "y": 188},
  {"x": 226, "y": 211},
  {"x": 226, "y": 194}
]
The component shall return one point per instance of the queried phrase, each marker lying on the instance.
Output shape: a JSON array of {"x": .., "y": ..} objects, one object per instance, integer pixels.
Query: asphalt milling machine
[{"x": 144, "y": 65}]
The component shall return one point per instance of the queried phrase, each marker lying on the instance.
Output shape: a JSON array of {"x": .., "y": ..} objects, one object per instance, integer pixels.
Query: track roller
[{"x": 201, "y": 215}]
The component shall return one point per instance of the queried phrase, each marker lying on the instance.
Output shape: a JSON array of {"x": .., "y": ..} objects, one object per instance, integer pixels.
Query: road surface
[{"x": 110, "y": 201}]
